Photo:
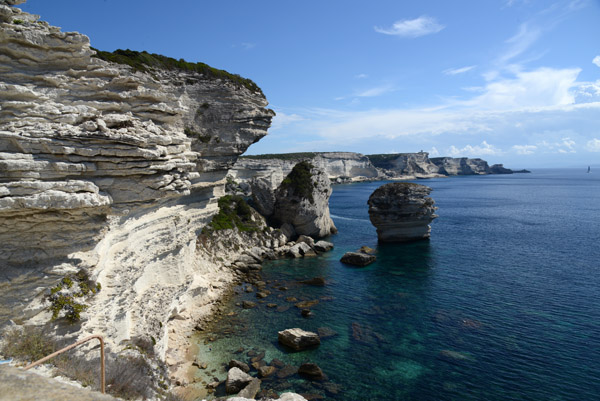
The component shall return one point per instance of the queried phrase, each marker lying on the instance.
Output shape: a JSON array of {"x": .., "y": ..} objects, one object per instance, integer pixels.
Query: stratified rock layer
[
  {"x": 401, "y": 212},
  {"x": 117, "y": 171}
]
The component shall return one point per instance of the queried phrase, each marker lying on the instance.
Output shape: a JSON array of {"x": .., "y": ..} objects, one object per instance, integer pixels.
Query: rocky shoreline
[{"x": 114, "y": 168}]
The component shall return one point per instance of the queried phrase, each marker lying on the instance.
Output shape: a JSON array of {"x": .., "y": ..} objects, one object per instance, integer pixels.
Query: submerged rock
[
  {"x": 311, "y": 370},
  {"x": 401, "y": 211},
  {"x": 298, "y": 339},
  {"x": 234, "y": 363},
  {"x": 316, "y": 281},
  {"x": 358, "y": 259}
]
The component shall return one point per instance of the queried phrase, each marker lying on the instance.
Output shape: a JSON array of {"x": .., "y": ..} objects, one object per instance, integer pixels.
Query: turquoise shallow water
[{"x": 501, "y": 304}]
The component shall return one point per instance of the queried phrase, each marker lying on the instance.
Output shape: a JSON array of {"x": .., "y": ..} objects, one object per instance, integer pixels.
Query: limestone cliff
[
  {"x": 401, "y": 212},
  {"x": 406, "y": 165},
  {"x": 352, "y": 167},
  {"x": 461, "y": 166},
  {"x": 338, "y": 166},
  {"x": 116, "y": 167}
]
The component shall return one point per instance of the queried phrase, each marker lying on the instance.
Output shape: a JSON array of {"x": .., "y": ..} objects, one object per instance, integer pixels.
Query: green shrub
[
  {"x": 299, "y": 181},
  {"x": 234, "y": 212},
  {"x": 142, "y": 61},
  {"x": 69, "y": 303}
]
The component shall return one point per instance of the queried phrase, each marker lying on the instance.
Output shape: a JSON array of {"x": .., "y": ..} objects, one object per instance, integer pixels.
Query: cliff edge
[{"x": 113, "y": 163}]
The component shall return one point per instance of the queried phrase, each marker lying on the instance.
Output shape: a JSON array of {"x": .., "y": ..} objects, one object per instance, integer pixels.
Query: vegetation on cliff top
[
  {"x": 233, "y": 212},
  {"x": 142, "y": 61},
  {"x": 383, "y": 160},
  {"x": 282, "y": 156},
  {"x": 299, "y": 181}
]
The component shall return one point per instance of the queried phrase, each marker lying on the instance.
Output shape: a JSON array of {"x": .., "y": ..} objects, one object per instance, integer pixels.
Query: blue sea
[{"x": 502, "y": 303}]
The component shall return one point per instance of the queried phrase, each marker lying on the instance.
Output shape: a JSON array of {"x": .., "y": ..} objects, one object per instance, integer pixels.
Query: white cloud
[
  {"x": 520, "y": 42},
  {"x": 544, "y": 87},
  {"x": 413, "y": 28},
  {"x": 361, "y": 76},
  {"x": 564, "y": 145},
  {"x": 456, "y": 71},
  {"x": 477, "y": 150},
  {"x": 376, "y": 91},
  {"x": 434, "y": 152},
  {"x": 596, "y": 61},
  {"x": 524, "y": 149},
  {"x": 593, "y": 145}
]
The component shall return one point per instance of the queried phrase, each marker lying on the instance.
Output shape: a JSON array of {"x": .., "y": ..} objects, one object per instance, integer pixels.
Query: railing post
[{"x": 60, "y": 351}]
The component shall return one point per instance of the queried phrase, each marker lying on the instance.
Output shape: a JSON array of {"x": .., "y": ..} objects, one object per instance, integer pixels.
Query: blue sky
[{"x": 511, "y": 81}]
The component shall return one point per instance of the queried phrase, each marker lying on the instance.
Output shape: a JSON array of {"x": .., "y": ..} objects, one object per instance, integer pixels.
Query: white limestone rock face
[
  {"x": 401, "y": 212},
  {"x": 302, "y": 200},
  {"x": 116, "y": 171},
  {"x": 461, "y": 166},
  {"x": 338, "y": 166},
  {"x": 346, "y": 166},
  {"x": 405, "y": 165}
]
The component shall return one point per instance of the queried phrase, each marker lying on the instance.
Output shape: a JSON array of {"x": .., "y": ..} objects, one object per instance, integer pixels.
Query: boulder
[
  {"x": 306, "y": 313},
  {"x": 358, "y": 259},
  {"x": 266, "y": 371},
  {"x": 316, "y": 281},
  {"x": 248, "y": 304},
  {"x": 311, "y": 371},
  {"x": 251, "y": 389},
  {"x": 299, "y": 250},
  {"x": 323, "y": 246},
  {"x": 302, "y": 200},
  {"x": 401, "y": 212},
  {"x": 234, "y": 363},
  {"x": 236, "y": 380},
  {"x": 298, "y": 339},
  {"x": 307, "y": 240},
  {"x": 287, "y": 371}
]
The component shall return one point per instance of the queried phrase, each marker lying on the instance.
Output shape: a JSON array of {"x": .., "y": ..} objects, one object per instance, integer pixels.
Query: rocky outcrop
[
  {"x": 500, "y": 169},
  {"x": 302, "y": 201},
  {"x": 461, "y": 166},
  {"x": 401, "y": 212},
  {"x": 115, "y": 167},
  {"x": 360, "y": 259},
  {"x": 405, "y": 165}
]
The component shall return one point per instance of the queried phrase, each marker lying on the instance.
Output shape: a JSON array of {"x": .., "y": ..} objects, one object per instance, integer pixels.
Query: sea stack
[
  {"x": 401, "y": 212},
  {"x": 302, "y": 203}
]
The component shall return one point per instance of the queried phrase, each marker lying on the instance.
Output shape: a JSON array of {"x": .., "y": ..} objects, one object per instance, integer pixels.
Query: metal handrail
[{"x": 60, "y": 351}]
